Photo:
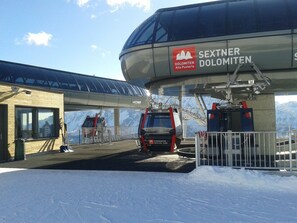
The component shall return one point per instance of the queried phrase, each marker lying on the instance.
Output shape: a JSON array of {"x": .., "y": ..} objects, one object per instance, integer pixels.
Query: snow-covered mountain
[
  {"x": 286, "y": 116},
  {"x": 128, "y": 117}
]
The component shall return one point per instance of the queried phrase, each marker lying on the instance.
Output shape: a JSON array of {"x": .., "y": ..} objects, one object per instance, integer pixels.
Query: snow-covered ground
[{"x": 208, "y": 194}]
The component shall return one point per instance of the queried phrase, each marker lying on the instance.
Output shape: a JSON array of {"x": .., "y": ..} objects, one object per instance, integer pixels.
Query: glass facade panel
[
  {"x": 52, "y": 81},
  {"x": 81, "y": 84},
  {"x": 137, "y": 89},
  {"x": 98, "y": 85},
  {"x": 143, "y": 34},
  {"x": 36, "y": 123},
  {"x": 272, "y": 15},
  {"x": 90, "y": 85},
  {"x": 112, "y": 87},
  {"x": 63, "y": 83},
  {"x": 164, "y": 27},
  {"x": 5, "y": 74},
  {"x": 212, "y": 20},
  {"x": 105, "y": 86},
  {"x": 146, "y": 34},
  {"x": 241, "y": 17},
  {"x": 163, "y": 31},
  {"x": 35, "y": 77},
  {"x": 125, "y": 89},
  {"x": 292, "y": 6},
  {"x": 71, "y": 81},
  {"x": 215, "y": 19},
  {"x": 144, "y": 92},
  {"x": 184, "y": 24},
  {"x": 119, "y": 87},
  {"x": 66, "y": 81},
  {"x": 19, "y": 79},
  {"x": 130, "y": 91}
]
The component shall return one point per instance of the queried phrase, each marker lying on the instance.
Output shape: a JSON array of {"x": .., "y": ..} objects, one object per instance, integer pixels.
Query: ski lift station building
[
  {"x": 33, "y": 101},
  {"x": 234, "y": 50}
]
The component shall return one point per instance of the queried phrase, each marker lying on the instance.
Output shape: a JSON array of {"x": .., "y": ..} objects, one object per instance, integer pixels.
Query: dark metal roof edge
[
  {"x": 56, "y": 70},
  {"x": 194, "y": 5}
]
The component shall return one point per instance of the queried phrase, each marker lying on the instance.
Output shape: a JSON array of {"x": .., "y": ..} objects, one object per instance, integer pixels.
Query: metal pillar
[
  {"x": 180, "y": 104},
  {"x": 185, "y": 128},
  {"x": 116, "y": 121}
]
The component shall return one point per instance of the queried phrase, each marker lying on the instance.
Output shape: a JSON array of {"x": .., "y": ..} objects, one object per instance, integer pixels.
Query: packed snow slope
[{"x": 208, "y": 194}]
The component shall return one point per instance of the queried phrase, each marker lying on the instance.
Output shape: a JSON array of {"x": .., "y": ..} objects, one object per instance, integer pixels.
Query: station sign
[
  {"x": 190, "y": 59},
  {"x": 184, "y": 59},
  {"x": 222, "y": 57}
]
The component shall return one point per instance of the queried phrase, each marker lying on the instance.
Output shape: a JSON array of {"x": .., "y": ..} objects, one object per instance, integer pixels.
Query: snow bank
[{"x": 243, "y": 178}]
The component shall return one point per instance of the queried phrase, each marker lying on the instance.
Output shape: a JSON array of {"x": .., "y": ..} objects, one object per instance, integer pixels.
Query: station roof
[
  {"x": 212, "y": 19},
  {"x": 81, "y": 91},
  {"x": 219, "y": 18},
  {"x": 61, "y": 80}
]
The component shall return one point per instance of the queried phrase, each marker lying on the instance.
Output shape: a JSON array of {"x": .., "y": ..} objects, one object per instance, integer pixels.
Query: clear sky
[{"x": 83, "y": 36}]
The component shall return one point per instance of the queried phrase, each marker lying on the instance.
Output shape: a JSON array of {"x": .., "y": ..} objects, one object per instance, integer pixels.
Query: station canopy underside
[{"x": 281, "y": 83}]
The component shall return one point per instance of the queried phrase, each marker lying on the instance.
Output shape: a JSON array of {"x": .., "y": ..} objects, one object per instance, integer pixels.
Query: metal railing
[
  {"x": 251, "y": 150},
  {"x": 106, "y": 135}
]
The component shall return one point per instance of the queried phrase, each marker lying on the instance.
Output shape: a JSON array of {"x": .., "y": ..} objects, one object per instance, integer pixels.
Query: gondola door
[{"x": 3, "y": 133}]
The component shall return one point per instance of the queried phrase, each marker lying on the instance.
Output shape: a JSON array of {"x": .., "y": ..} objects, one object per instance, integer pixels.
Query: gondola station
[{"x": 236, "y": 51}]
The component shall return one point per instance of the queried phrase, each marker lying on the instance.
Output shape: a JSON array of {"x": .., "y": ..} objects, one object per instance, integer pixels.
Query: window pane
[
  {"x": 125, "y": 89},
  {"x": 35, "y": 78},
  {"x": 66, "y": 81},
  {"x": 143, "y": 34},
  {"x": 137, "y": 89},
  {"x": 63, "y": 83},
  {"x": 90, "y": 85},
  {"x": 24, "y": 125},
  {"x": 212, "y": 20},
  {"x": 19, "y": 80},
  {"x": 34, "y": 123},
  {"x": 272, "y": 15},
  {"x": 11, "y": 73},
  {"x": 112, "y": 87},
  {"x": 82, "y": 85},
  {"x": 158, "y": 120},
  {"x": 105, "y": 85},
  {"x": 6, "y": 74},
  {"x": 119, "y": 87},
  {"x": 130, "y": 90},
  {"x": 52, "y": 80},
  {"x": 185, "y": 24},
  {"x": 72, "y": 82},
  {"x": 163, "y": 28},
  {"x": 146, "y": 34},
  {"x": 97, "y": 83},
  {"x": 292, "y": 5},
  {"x": 45, "y": 123},
  {"x": 241, "y": 17}
]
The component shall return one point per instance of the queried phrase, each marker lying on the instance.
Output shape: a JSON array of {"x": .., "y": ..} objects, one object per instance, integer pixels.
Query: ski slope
[{"x": 208, "y": 194}]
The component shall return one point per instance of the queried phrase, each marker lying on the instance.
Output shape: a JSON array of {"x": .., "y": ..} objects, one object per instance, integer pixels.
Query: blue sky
[{"x": 83, "y": 36}]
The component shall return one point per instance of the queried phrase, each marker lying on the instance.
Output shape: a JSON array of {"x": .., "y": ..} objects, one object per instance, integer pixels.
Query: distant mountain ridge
[{"x": 286, "y": 116}]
